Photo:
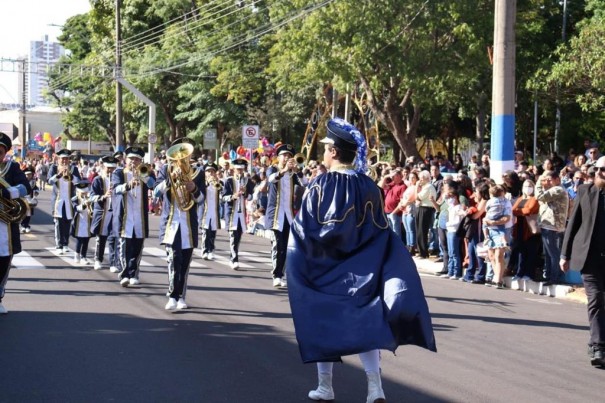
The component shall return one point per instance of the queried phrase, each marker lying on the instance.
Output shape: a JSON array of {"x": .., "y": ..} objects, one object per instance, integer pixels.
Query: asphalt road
[{"x": 74, "y": 335}]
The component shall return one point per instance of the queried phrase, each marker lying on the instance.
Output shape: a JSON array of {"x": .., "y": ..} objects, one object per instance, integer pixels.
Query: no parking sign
[{"x": 250, "y": 136}]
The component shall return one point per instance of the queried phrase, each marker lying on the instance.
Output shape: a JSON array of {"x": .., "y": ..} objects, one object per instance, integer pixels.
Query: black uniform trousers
[
  {"x": 131, "y": 250},
  {"x": 113, "y": 252},
  {"x": 179, "y": 261},
  {"x": 82, "y": 245},
  {"x": 5, "y": 266},
  {"x": 235, "y": 237},
  {"x": 279, "y": 246},
  {"x": 208, "y": 237},
  {"x": 593, "y": 276},
  {"x": 424, "y": 222},
  {"x": 62, "y": 226}
]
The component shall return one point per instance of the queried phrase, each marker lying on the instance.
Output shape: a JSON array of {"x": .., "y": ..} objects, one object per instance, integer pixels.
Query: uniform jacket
[
  {"x": 18, "y": 187},
  {"x": 80, "y": 226},
  {"x": 275, "y": 193},
  {"x": 119, "y": 203},
  {"x": 231, "y": 206},
  {"x": 169, "y": 225},
  {"x": 578, "y": 236},
  {"x": 56, "y": 198},
  {"x": 102, "y": 214},
  {"x": 211, "y": 208}
]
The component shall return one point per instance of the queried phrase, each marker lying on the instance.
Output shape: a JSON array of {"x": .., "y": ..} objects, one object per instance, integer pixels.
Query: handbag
[
  {"x": 532, "y": 223},
  {"x": 482, "y": 250}
]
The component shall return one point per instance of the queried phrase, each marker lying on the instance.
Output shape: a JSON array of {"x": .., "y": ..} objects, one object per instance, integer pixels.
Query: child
[
  {"x": 495, "y": 208},
  {"x": 31, "y": 200},
  {"x": 80, "y": 228},
  {"x": 455, "y": 213}
]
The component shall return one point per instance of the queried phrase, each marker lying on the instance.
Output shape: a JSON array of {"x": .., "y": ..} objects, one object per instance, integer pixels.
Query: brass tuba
[
  {"x": 179, "y": 171},
  {"x": 11, "y": 210}
]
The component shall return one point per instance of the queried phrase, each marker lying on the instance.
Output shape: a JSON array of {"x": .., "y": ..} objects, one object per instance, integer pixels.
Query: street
[{"x": 74, "y": 334}]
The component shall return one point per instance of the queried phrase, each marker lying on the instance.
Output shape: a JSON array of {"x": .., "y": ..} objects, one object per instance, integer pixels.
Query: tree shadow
[{"x": 92, "y": 357}]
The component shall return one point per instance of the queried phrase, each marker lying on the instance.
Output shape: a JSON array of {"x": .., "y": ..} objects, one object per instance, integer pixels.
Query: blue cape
[{"x": 353, "y": 286}]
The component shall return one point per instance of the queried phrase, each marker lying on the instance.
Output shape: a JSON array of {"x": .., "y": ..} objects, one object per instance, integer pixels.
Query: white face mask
[{"x": 528, "y": 190}]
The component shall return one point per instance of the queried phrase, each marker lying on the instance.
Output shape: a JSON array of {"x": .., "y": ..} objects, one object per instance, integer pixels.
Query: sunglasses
[{"x": 601, "y": 169}]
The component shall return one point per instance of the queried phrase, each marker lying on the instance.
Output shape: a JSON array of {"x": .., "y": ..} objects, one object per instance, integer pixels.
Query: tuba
[
  {"x": 11, "y": 210},
  {"x": 179, "y": 171}
]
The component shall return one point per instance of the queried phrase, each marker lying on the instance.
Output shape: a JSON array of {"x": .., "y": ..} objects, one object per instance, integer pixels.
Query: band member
[
  {"x": 80, "y": 228},
  {"x": 237, "y": 190},
  {"x": 210, "y": 220},
  {"x": 131, "y": 214},
  {"x": 119, "y": 155},
  {"x": 353, "y": 288},
  {"x": 102, "y": 217},
  {"x": 31, "y": 198},
  {"x": 181, "y": 190},
  {"x": 13, "y": 185},
  {"x": 280, "y": 208},
  {"x": 62, "y": 177}
]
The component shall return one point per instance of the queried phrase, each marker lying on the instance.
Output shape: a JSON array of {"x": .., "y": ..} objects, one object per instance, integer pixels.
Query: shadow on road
[{"x": 53, "y": 356}]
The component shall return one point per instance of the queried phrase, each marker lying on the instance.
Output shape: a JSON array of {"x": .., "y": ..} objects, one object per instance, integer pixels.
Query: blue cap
[
  {"x": 339, "y": 134},
  {"x": 285, "y": 148},
  {"x": 64, "y": 153},
  {"x": 135, "y": 152},
  {"x": 5, "y": 141}
]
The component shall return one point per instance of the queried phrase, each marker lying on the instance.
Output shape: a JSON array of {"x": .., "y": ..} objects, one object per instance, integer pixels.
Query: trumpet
[
  {"x": 140, "y": 174},
  {"x": 65, "y": 171},
  {"x": 11, "y": 210}
]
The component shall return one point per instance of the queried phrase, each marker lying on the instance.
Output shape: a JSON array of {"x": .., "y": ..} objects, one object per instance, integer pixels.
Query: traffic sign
[
  {"x": 250, "y": 136},
  {"x": 210, "y": 139},
  {"x": 153, "y": 138}
]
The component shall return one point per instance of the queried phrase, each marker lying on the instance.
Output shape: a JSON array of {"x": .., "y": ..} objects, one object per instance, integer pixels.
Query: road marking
[
  {"x": 161, "y": 253},
  {"x": 544, "y": 301},
  {"x": 25, "y": 261}
]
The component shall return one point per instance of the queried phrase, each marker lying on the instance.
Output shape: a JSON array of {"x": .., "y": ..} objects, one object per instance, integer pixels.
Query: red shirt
[{"x": 392, "y": 196}]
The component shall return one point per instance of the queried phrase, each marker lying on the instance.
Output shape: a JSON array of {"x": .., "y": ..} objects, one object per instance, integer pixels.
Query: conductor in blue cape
[{"x": 353, "y": 286}]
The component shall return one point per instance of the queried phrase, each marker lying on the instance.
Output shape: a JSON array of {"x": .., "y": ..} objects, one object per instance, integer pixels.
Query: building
[{"x": 43, "y": 54}]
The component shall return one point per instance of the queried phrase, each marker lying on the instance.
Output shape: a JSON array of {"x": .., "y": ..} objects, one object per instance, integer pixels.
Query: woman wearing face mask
[{"x": 527, "y": 232}]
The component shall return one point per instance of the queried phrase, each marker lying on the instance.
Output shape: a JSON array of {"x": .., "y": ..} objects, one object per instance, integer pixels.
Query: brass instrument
[
  {"x": 179, "y": 170},
  {"x": 140, "y": 174},
  {"x": 301, "y": 160},
  {"x": 65, "y": 171},
  {"x": 11, "y": 210}
]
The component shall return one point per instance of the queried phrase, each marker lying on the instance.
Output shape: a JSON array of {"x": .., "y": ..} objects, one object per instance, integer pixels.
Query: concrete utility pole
[
  {"x": 118, "y": 76},
  {"x": 23, "y": 109},
  {"x": 557, "y": 101},
  {"x": 503, "y": 90}
]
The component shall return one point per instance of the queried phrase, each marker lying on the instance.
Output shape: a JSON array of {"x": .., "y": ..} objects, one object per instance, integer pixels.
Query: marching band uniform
[
  {"x": 210, "y": 220},
  {"x": 80, "y": 228},
  {"x": 237, "y": 190},
  {"x": 63, "y": 191},
  {"x": 280, "y": 209},
  {"x": 31, "y": 200},
  {"x": 102, "y": 216},
  {"x": 13, "y": 185},
  {"x": 131, "y": 214},
  {"x": 178, "y": 230}
]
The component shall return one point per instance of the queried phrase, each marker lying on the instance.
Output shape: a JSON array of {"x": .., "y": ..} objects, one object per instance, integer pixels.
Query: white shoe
[
  {"x": 134, "y": 281},
  {"x": 205, "y": 256},
  {"x": 28, "y": 230},
  {"x": 66, "y": 249},
  {"x": 22, "y": 230},
  {"x": 210, "y": 256},
  {"x": 76, "y": 257},
  {"x": 324, "y": 391},
  {"x": 98, "y": 265},
  {"x": 85, "y": 261},
  {"x": 276, "y": 282},
  {"x": 114, "y": 269},
  {"x": 3, "y": 310},
  {"x": 375, "y": 392},
  {"x": 181, "y": 304},
  {"x": 282, "y": 282},
  {"x": 234, "y": 265},
  {"x": 124, "y": 282},
  {"x": 171, "y": 305}
]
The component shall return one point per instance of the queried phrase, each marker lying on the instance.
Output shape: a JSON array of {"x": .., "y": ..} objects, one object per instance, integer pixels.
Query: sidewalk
[{"x": 573, "y": 293}]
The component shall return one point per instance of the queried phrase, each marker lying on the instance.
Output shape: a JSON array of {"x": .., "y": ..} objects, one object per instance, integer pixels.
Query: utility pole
[
  {"x": 23, "y": 109},
  {"x": 503, "y": 90},
  {"x": 118, "y": 76},
  {"x": 558, "y": 103}
]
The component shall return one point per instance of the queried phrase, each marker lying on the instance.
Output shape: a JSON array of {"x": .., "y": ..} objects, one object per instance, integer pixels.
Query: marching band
[{"x": 113, "y": 207}]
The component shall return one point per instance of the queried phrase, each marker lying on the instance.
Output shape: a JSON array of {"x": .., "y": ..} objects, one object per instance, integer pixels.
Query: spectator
[
  {"x": 579, "y": 161},
  {"x": 498, "y": 213},
  {"x": 552, "y": 217},
  {"x": 426, "y": 212},
  {"x": 393, "y": 188},
  {"x": 455, "y": 212},
  {"x": 593, "y": 154},
  {"x": 527, "y": 232},
  {"x": 408, "y": 206}
]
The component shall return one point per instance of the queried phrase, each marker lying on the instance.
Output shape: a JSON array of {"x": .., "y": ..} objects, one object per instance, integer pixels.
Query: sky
[{"x": 23, "y": 21}]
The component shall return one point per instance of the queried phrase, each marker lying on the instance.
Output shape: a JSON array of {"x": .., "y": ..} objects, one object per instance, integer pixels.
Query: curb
[{"x": 568, "y": 292}]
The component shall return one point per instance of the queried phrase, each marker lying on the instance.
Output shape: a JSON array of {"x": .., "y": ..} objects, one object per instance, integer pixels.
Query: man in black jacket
[{"x": 583, "y": 249}]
